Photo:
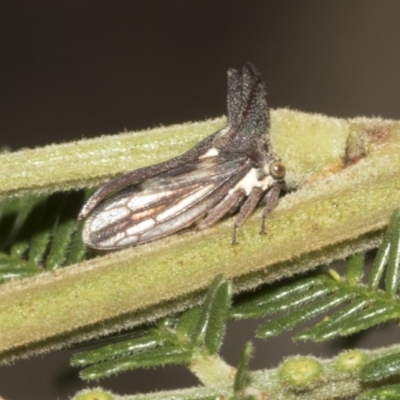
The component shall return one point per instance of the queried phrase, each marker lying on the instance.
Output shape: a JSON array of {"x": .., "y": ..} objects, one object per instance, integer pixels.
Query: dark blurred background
[{"x": 76, "y": 69}]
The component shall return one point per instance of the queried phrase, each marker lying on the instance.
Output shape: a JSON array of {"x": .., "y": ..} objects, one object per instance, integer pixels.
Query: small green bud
[
  {"x": 301, "y": 372},
  {"x": 351, "y": 361},
  {"x": 334, "y": 274}
]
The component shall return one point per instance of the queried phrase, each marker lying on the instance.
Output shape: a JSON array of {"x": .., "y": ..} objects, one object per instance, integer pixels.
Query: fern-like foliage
[
  {"x": 40, "y": 233},
  {"x": 363, "y": 304},
  {"x": 194, "y": 337},
  {"x": 172, "y": 341}
]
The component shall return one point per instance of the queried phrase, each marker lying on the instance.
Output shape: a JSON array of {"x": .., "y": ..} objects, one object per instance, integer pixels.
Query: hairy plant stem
[
  {"x": 338, "y": 379},
  {"x": 212, "y": 370},
  {"x": 348, "y": 175}
]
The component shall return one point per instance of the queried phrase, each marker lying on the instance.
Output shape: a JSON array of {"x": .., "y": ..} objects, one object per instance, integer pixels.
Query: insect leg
[
  {"x": 247, "y": 208},
  {"x": 229, "y": 204},
  {"x": 270, "y": 200}
]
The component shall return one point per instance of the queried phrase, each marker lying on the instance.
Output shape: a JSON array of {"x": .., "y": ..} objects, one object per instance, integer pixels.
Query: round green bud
[
  {"x": 301, "y": 372},
  {"x": 351, "y": 361}
]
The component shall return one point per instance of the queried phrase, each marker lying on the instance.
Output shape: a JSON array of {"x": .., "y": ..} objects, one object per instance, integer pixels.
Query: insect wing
[
  {"x": 142, "y": 174},
  {"x": 163, "y": 204}
]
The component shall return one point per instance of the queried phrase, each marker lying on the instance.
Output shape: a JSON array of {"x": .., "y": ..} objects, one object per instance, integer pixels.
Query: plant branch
[
  {"x": 349, "y": 173},
  {"x": 297, "y": 378}
]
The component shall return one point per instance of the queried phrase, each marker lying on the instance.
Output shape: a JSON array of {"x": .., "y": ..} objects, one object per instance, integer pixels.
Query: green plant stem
[
  {"x": 212, "y": 370},
  {"x": 306, "y": 143},
  {"x": 338, "y": 380},
  {"x": 337, "y": 212}
]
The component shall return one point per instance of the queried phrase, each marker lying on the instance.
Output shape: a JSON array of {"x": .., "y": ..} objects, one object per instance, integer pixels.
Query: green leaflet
[
  {"x": 242, "y": 376},
  {"x": 332, "y": 325},
  {"x": 389, "y": 392},
  {"x": 210, "y": 326},
  {"x": 121, "y": 348},
  {"x": 355, "y": 269},
  {"x": 292, "y": 319},
  {"x": 196, "y": 333},
  {"x": 393, "y": 263},
  {"x": 362, "y": 306},
  {"x": 187, "y": 323},
  {"x": 287, "y": 297},
  {"x": 40, "y": 233},
  {"x": 159, "y": 356},
  {"x": 381, "y": 368},
  {"x": 378, "y": 267}
]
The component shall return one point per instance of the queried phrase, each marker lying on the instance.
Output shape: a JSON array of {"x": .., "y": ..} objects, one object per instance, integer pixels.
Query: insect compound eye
[{"x": 277, "y": 170}]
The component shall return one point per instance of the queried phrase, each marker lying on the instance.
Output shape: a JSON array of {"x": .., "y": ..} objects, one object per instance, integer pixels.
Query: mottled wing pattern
[
  {"x": 141, "y": 174},
  {"x": 164, "y": 204}
]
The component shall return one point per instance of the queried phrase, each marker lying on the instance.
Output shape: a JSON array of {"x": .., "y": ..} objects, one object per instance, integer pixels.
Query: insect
[{"x": 233, "y": 169}]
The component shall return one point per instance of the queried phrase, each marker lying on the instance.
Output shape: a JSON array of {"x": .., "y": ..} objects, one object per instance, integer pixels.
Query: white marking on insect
[
  {"x": 141, "y": 226},
  {"x": 175, "y": 223},
  {"x": 224, "y": 131},
  {"x": 115, "y": 204},
  {"x": 141, "y": 201},
  {"x": 181, "y": 205},
  {"x": 126, "y": 241},
  {"x": 107, "y": 216},
  {"x": 210, "y": 153},
  {"x": 251, "y": 181}
]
